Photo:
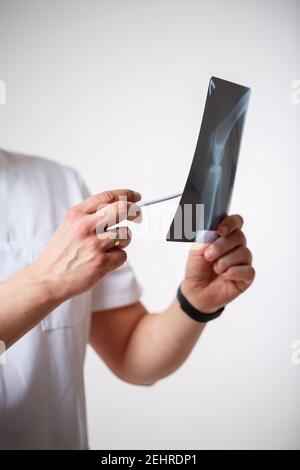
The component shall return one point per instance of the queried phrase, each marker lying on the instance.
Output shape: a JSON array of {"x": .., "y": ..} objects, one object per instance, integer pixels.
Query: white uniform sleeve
[{"x": 118, "y": 288}]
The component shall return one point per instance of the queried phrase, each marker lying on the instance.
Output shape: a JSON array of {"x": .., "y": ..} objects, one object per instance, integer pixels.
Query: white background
[{"x": 116, "y": 88}]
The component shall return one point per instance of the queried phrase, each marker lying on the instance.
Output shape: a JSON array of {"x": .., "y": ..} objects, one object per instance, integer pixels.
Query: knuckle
[
  {"x": 241, "y": 238},
  {"x": 130, "y": 194},
  {"x": 195, "y": 256},
  {"x": 240, "y": 220},
  {"x": 118, "y": 260},
  {"x": 83, "y": 228},
  {"x": 107, "y": 196},
  {"x": 248, "y": 254},
  {"x": 72, "y": 213},
  {"x": 252, "y": 272},
  {"x": 122, "y": 257}
]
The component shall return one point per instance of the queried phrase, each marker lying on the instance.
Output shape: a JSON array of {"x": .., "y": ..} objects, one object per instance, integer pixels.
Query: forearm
[
  {"x": 25, "y": 300},
  {"x": 159, "y": 344},
  {"x": 142, "y": 348}
]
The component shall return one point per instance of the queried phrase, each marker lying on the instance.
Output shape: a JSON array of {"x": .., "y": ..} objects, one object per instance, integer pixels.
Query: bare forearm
[
  {"x": 25, "y": 301},
  {"x": 74, "y": 260},
  {"x": 142, "y": 348},
  {"x": 159, "y": 344}
]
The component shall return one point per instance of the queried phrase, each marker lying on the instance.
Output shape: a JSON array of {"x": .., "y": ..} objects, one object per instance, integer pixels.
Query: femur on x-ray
[{"x": 212, "y": 174}]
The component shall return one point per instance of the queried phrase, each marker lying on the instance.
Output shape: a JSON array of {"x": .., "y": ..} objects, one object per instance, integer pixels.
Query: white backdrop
[{"x": 116, "y": 88}]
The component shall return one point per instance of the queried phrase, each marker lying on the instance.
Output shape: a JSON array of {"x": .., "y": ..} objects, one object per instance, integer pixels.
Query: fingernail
[
  {"x": 209, "y": 254},
  {"x": 137, "y": 195}
]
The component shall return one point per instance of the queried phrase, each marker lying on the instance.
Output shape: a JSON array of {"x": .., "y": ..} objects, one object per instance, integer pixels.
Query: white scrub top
[{"x": 42, "y": 403}]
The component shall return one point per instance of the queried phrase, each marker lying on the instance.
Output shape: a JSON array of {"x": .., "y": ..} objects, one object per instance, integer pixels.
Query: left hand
[{"x": 219, "y": 272}]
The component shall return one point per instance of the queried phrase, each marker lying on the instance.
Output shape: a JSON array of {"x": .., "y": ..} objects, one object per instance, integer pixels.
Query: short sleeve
[{"x": 118, "y": 288}]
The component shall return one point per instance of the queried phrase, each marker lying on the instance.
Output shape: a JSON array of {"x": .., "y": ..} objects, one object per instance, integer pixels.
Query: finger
[
  {"x": 120, "y": 237},
  {"x": 243, "y": 274},
  {"x": 114, "y": 213},
  {"x": 239, "y": 256},
  {"x": 223, "y": 245},
  {"x": 198, "y": 248},
  {"x": 91, "y": 204},
  {"x": 230, "y": 224},
  {"x": 115, "y": 258}
]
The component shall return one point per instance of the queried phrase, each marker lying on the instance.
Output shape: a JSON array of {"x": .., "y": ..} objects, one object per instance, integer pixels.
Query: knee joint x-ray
[{"x": 207, "y": 194}]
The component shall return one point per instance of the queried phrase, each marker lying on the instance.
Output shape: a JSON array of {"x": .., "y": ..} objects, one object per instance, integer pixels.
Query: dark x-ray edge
[{"x": 212, "y": 174}]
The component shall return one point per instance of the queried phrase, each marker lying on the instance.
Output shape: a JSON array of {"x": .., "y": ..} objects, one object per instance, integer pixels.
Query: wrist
[
  {"x": 192, "y": 292},
  {"x": 47, "y": 286},
  {"x": 197, "y": 315}
]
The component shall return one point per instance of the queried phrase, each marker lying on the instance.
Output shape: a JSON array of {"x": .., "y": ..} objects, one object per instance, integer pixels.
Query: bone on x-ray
[{"x": 207, "y": 194}]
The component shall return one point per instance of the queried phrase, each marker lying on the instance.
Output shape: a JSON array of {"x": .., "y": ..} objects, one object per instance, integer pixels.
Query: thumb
[{"x": 198, "y": 267}]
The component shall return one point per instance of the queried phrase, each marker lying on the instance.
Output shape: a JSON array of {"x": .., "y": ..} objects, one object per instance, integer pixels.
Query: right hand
[{"x": 76, "y": 257}]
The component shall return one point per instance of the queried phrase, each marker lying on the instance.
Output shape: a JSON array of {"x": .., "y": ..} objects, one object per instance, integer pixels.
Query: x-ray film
[{"x": 207, "y": 194}]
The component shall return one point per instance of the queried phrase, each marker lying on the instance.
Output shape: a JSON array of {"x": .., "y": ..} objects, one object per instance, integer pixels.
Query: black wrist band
[{"x": 195, "y": 314}]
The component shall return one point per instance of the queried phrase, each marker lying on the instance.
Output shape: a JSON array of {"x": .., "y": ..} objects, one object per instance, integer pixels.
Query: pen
[{"x": 157, "y": 201}]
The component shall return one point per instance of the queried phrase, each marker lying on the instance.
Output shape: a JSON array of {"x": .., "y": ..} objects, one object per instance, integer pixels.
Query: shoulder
[
  {"x": 13, "y": 161},
  {"x": 43, "y": 175}
]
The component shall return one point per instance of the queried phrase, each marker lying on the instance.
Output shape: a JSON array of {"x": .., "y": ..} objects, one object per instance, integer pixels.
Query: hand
[
  {"x": 218, "y": 273},
  {"x": 77, "y": 257}
]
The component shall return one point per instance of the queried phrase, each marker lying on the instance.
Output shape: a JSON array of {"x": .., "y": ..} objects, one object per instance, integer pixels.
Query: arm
[
  {"x": 25, "y": 300},
  {"x": 142, "y": 348},
  {"x": 73, "y": 262}
]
